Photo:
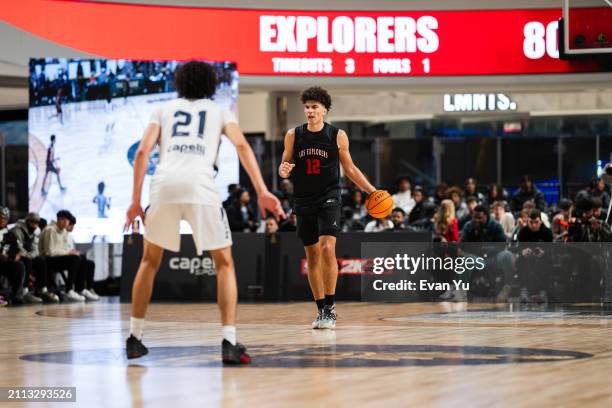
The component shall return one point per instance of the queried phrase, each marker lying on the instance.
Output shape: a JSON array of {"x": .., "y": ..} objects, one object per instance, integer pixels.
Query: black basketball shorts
[{"x": 325, "y": 220}]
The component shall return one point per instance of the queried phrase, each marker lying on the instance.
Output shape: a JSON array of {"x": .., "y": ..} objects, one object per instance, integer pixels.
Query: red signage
[{"x": 323, "y": 43}]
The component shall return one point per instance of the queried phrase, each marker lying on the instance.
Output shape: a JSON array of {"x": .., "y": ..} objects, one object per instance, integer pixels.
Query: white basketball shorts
[{"x": 209, "y": 226}]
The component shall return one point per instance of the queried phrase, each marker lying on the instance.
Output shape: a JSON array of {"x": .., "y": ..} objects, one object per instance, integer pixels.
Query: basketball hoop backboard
[{"x": 587, "y": 27}]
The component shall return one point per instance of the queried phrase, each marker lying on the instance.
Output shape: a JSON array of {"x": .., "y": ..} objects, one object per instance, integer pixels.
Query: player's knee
[{"x": 328, "y": 249}]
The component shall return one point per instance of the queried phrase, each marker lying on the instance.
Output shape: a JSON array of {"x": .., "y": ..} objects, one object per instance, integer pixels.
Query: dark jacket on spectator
[
  {"x": 491, "y": 232},
  {"x": 237, "y": 222},
  {"x": 542, "y": 235},
  {"x": 523, "y": 196},
  {"x": 420, "y": 211}
]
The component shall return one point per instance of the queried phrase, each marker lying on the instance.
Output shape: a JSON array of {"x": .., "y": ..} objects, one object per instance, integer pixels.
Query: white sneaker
[
  {"x": 316, "y": 324},
  {"x": 29, "y": 297},
  {"x": 328, "y": 320},
  {"x": 87, "y": 294},
  {"x": 72, "y": 296}
]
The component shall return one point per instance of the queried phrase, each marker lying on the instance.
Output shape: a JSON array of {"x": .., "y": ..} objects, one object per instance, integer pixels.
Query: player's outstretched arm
[
  {"x": 265, "y": 199},
  {"x": 350, "y": 170},
  {"x": 141, "y": 162},
  {"x": 284, "y": 170}
]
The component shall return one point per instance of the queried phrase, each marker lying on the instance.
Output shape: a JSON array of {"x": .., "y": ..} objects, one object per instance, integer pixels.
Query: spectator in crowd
[
  {"x": 587, "y": 228},
  {"x": 560, "y": 222},
  {"x": 87, "y": 268},
  {"x": 290, "y": 224},
  {"x": 439, "y": 194},
  {"x": 527, "y": 192},
  {"x": 10, "y": 267},
  {"x": 398, "y": 218},
  {"x": 495, "y": 193},
  {"x": 456, "y": 195},
  {"x": 241, "y": 215},
  {"x": 445, "y": 222},
  {"x": 232, "y": 190},
  {"x": 356, "y": 205},
  {"x": 403, "y": 198},
  {"x": 53, "y": 245},
  {"x": 419, "y": 211},
  {"x": 506, "y": 219},
  {"x": 535, "y": 231},
  {"x": 379, "y": 225},
  {"x": 598, "y": 211},
  {"x": 482, "y": 228},
  {"x": 285, "y": 194},
  {"x": 25, "y": 235},
  {"x": 533, "y": 260},
  {"x": 271, "y": 225},
  {"x": 530, "y": 205},
  {"x": 471, "y": 189},
  {"x": 471, "y": 202},
  {"x": 596, "y": 189},
  {"x": 521, "y": 222},
  {"x": 349, "y": 222}
]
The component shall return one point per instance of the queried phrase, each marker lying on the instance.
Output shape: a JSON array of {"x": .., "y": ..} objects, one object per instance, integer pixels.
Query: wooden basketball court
[{"x": 388, "y": 355}]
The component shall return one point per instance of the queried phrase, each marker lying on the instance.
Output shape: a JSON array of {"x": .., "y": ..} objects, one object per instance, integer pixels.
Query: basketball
[{"x": 379, "y": 204}]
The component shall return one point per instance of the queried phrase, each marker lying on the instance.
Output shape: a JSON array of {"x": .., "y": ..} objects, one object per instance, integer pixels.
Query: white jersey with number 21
[{"x": 188, "y": 147}]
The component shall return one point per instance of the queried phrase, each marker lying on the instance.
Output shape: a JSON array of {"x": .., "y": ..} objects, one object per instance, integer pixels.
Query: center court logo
[{"x": 196, "y": 266}]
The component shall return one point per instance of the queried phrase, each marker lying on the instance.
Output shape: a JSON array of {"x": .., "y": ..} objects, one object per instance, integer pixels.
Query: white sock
[
  {"x": 229, "y": 334},
  {"x": 136, "y": 327}
]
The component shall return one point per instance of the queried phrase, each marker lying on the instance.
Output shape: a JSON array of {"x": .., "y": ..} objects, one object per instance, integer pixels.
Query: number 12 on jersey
[{"x": 313, "y": 166}]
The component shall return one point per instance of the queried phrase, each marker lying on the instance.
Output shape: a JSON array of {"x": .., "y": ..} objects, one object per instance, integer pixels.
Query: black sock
[
  {"x": 320, "y": 303},
  {"x": 330, "y": 300}
]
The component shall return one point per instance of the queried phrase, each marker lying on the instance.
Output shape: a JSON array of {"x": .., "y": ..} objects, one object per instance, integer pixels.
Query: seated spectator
[
  {"x": 445, "y": 222},
  {"x": 535, "y": 231},
  {"x": 471, "y": 202},
  {"x": 482, "y": 228},
  {"x": 529, "y": 206},
  {"x": 231, "y": 194},
  {"x": 560, "y": 222},
  {"x": 419, "y": 211},
  {"x": 349, "y": 222},
  {"x": 527, "y": 192},
  {"x": 356, "y": 205},
  {"x": 240, "y": 214},
  {"x": 506, "y": 219},
  {"x": 54, "y": 246},
  {"x": 398, "y": 218},
  {"x": 285, "y": 195},
  {"x": 598, "y": 211},
  {"x": 271, "y": 225},
  {"x": 439, "y": 194},
  {"x": 379, "y": 225},
  {"x": 532, "y": 259},
  {"x": 456, "y": 195},
  {"x": 87, "y": 268},
  {"x": 521, "y": 222},
  {"x": 471, "y": 189},
  {"x": 596, "y": 189},
  {"x": 25, "y": 234},
  {"x": 10, "y": 267},
  {"x": 290, "y": 224},
  {"x": 403, "y": 198},
  {"x": 495, "y": 193}
]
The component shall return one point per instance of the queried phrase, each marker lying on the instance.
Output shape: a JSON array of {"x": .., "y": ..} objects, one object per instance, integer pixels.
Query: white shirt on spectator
[
  {"x": 404, "y": 201},
  {"x": 374, "y": 226},
  {"x": 53, "y": 241}
]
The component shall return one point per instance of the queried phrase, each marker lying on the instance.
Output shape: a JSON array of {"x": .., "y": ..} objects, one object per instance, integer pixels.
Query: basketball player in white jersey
[{"x": 188, "y": 131}]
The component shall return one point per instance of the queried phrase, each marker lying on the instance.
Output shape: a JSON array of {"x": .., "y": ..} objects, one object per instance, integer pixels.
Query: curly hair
[
  {"x": 195, "y": 80},
  {"x": 317, "y": 94}
]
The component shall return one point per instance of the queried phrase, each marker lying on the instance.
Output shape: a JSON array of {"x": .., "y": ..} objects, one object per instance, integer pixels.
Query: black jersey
[{"x": 316, "y": 175}]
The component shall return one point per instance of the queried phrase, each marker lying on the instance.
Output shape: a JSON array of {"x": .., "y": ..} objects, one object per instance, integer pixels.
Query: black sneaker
[
  {"x": 134, "y": 348},
  {"x": 234, "y": 354},
  {"x": 328, "y": 320}
]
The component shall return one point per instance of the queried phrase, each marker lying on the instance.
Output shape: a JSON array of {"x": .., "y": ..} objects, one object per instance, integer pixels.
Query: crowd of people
[{"x": 32, "y": 256}]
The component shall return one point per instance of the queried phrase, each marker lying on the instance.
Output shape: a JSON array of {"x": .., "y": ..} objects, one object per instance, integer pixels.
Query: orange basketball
[{"x": 379, "y": 204}]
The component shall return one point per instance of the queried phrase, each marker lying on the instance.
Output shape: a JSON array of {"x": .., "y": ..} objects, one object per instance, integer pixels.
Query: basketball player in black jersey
[{"x": 312, "y": 157}]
